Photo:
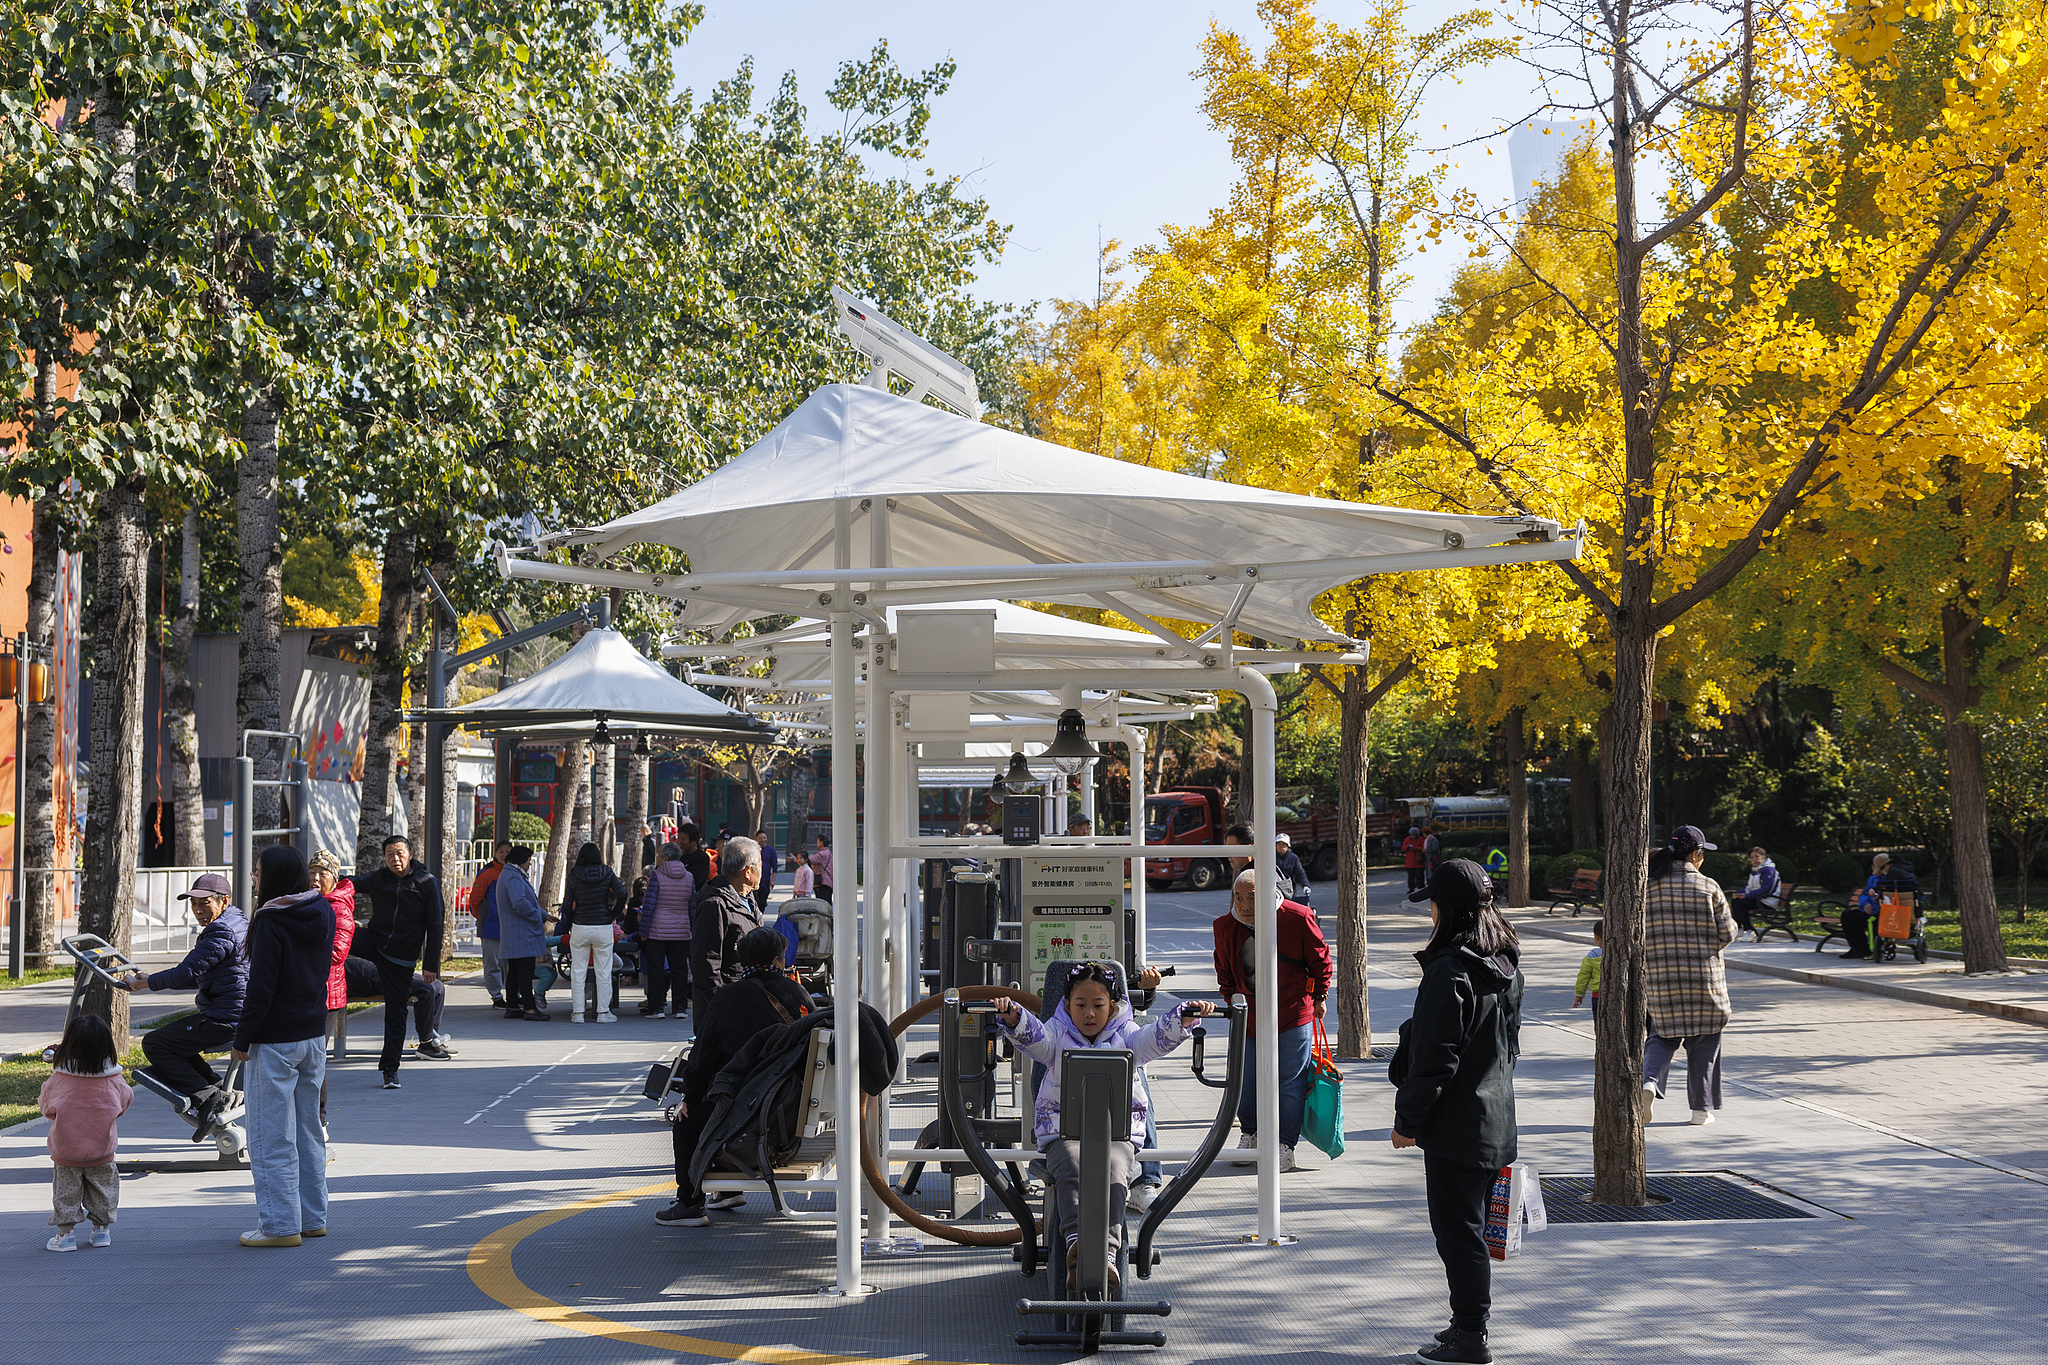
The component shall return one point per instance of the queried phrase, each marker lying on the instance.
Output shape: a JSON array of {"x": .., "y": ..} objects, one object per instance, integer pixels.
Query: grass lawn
[
  {"x": 37, "y": 976},
  {"x": 22, "y": 1081},
  {"x": 1945, "y": 930}
]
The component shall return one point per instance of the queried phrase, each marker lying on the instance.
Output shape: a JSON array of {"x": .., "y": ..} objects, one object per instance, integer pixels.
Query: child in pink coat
[{"x": 83, "y": 1099}]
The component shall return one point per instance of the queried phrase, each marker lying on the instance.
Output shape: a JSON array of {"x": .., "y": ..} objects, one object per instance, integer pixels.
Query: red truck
[{"x": 1196, "y": 815}]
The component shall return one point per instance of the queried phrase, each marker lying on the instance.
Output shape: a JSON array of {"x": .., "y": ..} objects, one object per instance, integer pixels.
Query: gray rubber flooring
[{"x": 1916, "y": 1129}]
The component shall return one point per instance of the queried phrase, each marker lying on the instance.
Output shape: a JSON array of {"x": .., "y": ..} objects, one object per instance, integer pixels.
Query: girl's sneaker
[
  {"x": 1247, "y": 1142},
  {"x": 62, "y": 1241},
  {"x": 102, "y": 1237}
]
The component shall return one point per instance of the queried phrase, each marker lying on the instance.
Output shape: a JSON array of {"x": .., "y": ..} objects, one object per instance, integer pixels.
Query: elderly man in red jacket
[{"x": 1304, "y": 986}]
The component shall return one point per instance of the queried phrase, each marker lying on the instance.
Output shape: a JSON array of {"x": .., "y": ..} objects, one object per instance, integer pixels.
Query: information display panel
[{"x": 1073, "y": 910}]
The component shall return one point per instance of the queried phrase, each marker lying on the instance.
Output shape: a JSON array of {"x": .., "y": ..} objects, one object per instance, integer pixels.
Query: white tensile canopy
[
  {"x": 860, "y": 501},
  {"x": 963, "y": 495}
]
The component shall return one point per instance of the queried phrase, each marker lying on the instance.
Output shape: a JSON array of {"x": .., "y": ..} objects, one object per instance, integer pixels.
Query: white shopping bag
[{"x": 1515, "y": 1206}]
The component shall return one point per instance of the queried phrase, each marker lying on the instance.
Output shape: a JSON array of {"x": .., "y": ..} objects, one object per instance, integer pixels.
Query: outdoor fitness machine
[
  {"x": 98, "y": 959},
  {"x": 1096, "y": 1111}
]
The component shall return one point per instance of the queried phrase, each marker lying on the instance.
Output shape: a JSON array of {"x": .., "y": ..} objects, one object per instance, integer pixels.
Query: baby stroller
[{"x": 812, "y": 920}]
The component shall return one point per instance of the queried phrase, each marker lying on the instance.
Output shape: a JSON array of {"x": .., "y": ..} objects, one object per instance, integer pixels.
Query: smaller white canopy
[{"x": 601, "y": 677}]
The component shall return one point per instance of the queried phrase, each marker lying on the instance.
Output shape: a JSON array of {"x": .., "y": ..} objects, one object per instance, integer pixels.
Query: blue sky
[{"x": 1067, "y": 114}]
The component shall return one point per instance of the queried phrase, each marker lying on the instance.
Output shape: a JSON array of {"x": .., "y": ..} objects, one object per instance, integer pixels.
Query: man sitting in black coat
[{"x": 763, "y": 998}]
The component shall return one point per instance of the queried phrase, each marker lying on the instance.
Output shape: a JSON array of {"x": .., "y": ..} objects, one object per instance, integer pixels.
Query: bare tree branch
[{"x": 1738, "y": 163}]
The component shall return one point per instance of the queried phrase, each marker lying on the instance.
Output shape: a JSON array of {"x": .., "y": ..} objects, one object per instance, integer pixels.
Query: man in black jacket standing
[
  {"x": 763, "y": 998},
  {"x": 406, "y": 919},
  {"x": 725, "y": 914}
]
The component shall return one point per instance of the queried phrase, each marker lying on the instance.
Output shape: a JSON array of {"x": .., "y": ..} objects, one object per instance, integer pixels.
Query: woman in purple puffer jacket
[{"x": 665, "y": 935}]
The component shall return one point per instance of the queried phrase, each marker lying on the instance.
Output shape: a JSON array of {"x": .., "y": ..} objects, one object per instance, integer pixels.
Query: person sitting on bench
[
  {"x": 763, "y": 998},
  {"x": 1760, "y": 892},
  {"x": 217, "y": 969},
  {"x": 427, "y": 996}
]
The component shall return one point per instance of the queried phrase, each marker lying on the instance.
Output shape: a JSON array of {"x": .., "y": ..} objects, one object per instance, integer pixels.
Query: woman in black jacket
[
  {"x": 1456, "y": 1072},
  {"x": 281, "y": 1040}
]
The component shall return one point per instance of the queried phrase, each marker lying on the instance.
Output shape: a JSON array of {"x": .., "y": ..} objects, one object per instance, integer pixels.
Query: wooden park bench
[
  {"x": 1582, "y": 894},
  {"x": 810, "y": 1168},
  {"x": 1901, "y": 923}
]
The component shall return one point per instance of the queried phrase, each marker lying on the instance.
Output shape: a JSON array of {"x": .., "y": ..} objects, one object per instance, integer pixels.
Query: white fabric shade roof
[
  {"x": 963, "y": 495},
  {"x": 1025, "y": 639},
  {"x": 602, "y": 676}
]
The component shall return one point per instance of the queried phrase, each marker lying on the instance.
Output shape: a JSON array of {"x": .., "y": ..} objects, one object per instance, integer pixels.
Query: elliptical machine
[
  {"x": 1096, "y": 1083},
  {"x": 98, "y": 959}
]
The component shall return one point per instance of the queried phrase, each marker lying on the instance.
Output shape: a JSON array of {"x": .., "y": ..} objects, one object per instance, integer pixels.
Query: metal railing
[{"x": 160, "y": 923}]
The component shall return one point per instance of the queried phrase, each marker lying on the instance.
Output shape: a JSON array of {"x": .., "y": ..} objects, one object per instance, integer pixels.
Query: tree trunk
[
  {"x": 453, "y": 850},
  {"x": 802, "y": 783},
  {"x": 637, "y": 806},
  {"x": 387, "y": 697},
  {"x": 113, "y": 827},
  {"x": 580, "y": 827},
  {"x": 1976, "y": 899},
  {"x": 416, "y": 737},
  {"x": 1619, "y": 1160},
  {"x": 1585, "y": 794},
  {"x": 1354, "y": 1019},
  {"x": 39, "y": 925},
  {"x": 1518, "y": 806},
  {"x": 568, "y": 779},
  {"x": 259, "y": 563},
  {"x": 603, "y": 782},
  {"x": 181, "y": 717}
]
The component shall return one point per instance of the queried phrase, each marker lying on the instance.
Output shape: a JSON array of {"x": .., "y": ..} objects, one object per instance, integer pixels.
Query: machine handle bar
[
  {"x": 970, "y": 1138},
  {"x": 1226, "y": 1114}
]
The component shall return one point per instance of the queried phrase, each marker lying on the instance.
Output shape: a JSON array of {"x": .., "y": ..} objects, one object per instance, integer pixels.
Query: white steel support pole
[
  {"x": 1134, "y": 736},
  {"x": 905, "y": 962},
  {"x": 846, "y": 1094},
  {"x": 845, "y": 959},
  {"x": 879, "y": 790},
  {"x": 1258, "y": 693}
]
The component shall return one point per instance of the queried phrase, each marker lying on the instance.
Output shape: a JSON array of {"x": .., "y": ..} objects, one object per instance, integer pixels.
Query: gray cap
[{"x": 207, "y": 884}]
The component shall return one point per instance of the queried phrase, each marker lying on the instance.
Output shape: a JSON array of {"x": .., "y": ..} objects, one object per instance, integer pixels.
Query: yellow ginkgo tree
[{"x": 1828, "y": 297}]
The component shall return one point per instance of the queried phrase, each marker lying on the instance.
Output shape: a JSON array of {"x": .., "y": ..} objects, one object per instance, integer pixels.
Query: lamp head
[
  {"x": 1019, "y": 775},
  {"x": 641, "y": 748},
  {"x": 1070, "y": 750}
]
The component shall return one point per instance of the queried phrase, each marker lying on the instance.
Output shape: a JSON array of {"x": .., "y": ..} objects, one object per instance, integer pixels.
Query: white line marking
[{"x": 517, "y": 1088}]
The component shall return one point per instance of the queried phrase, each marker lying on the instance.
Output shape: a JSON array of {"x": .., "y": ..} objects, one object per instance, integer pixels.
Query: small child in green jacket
[{"x": 1589, "y": 974}]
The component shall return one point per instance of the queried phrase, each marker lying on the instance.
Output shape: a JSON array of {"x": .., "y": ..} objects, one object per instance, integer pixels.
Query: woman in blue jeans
[
  {"x": 282, "y": 1043},
  {"x": 1304, "y": 986}
]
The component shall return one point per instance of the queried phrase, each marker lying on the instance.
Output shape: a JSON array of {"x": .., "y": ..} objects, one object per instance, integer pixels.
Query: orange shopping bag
[{"x": 1895, "y": 914}]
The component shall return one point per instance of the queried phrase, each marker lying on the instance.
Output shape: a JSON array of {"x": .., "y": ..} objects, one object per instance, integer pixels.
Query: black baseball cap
[
  {"x": 1460, "y": 883},
  {"x": 1686, "y": 838}
]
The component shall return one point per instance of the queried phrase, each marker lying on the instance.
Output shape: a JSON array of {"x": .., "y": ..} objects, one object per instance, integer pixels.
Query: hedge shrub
[
  {"x": 1840, "y": 873},
  {"x": 1729, "y": 869},
  {"x": 529, "y": 829}
]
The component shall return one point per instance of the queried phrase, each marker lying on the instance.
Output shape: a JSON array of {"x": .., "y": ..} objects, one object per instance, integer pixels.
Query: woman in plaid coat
[{"x": 1686, "y": 924}]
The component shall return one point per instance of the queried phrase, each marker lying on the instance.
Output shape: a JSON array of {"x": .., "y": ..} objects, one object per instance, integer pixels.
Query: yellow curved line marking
[{"x": 490, "y": 1268}]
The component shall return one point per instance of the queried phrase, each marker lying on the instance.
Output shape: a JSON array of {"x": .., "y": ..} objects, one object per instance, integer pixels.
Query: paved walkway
[
  {"x": 499, "y": 1209},
  {"x": 2020, "y": 994}
]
